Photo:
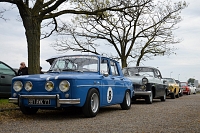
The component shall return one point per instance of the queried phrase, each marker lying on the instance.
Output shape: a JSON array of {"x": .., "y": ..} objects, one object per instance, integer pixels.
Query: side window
[
  {"x": 6, "y": 70},
  {"x": 114, "y": 68},
  {"x": 125, "y": 72},
  {"x": 104, "y": 66},
  {"x": 157, "y": 74}
]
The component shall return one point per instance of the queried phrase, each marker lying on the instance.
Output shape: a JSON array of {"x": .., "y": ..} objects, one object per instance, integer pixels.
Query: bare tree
[
  {"x": 34, "y": 12},
  {"x": 137, "y": 33}
]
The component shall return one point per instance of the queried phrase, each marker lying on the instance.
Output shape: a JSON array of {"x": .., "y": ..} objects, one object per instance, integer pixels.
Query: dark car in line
[
  {"x": 6, "y": 75},
  {"x": 148, "y": 83}
]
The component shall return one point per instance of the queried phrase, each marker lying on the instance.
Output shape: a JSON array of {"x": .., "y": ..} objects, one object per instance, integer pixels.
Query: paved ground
[{"x": 180, "y": 115}]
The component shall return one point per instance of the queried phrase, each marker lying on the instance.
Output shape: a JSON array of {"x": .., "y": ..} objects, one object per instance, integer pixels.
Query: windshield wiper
[
  {"x": 72, "y": 70},
  {"x": 68, "y": 70}
]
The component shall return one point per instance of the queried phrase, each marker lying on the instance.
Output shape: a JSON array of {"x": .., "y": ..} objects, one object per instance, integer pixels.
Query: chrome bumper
[
  {"x": 58, "y": 100},
  {"x": 146, "y": 93}
]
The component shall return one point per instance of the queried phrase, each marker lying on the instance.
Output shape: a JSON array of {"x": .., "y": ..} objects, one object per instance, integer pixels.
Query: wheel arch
[{"x": 153, "y": 88}]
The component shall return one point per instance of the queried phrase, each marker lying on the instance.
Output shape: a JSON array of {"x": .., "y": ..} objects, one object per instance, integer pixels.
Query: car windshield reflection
[
  {"x": 143, "y": 71},
  {"x": 75, "y": 63}
]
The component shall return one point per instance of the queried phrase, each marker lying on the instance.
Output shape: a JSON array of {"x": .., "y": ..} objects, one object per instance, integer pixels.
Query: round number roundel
[{"x": 109, "y": 94}]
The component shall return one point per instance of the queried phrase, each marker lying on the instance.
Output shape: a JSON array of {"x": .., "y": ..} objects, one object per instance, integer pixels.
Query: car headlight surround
[
  {"x": 49, "y": 85},
  {"x": 28, "y": 86},
  {"x": 64, "y": 86},
  {"x": 17, "y": 86},
  {"x": 144, "y": 81}
]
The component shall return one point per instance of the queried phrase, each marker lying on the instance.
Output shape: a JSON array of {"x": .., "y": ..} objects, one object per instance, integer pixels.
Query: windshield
[
  {"x": 75, "y": 63},
  {"x": 183, "y": 84},
  {"x": 144, "y": 71},
  {"x": 169, "y": 80}
]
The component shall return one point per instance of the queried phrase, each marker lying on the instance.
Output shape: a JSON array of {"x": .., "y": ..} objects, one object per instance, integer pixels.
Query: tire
[
  {"x": 28, "y": 110},
  {"x": 91, "y": 106},
  {"x": 195, "y": 92},
  {"x": 172, "y": 95},
  {"x": 181, "y": 94},
  {"x": 177, "y": 96},
  {"x": 149, "y": 99},
  {"x": 126, "y": 104},
  {"x": 163, "y": 98}
]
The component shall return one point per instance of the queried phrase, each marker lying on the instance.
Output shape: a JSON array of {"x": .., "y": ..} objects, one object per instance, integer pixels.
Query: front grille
[{"x": 139, "y": 87}]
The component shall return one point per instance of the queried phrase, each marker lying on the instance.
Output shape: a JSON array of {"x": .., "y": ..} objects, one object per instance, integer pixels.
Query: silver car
[
  {"x": 147, "y": 82},
  {"x": 6, "y": 75}
]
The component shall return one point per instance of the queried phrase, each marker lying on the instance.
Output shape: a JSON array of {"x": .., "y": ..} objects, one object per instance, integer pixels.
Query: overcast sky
[{"x": 184, "y": 65}]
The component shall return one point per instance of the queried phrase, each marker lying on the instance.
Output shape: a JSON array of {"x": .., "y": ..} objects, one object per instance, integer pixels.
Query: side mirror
[{"x": 105, "y": 74}]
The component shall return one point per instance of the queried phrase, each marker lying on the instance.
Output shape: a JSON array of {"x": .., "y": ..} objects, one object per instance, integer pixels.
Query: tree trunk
[
  {"x": 32, "y": 24},
  {"x": 124, "y": 61},
  {"x": 33, "y": 43}
]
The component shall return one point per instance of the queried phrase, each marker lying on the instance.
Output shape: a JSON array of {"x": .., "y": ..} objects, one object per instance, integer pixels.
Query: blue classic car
[{"x": 86, "y": 81}]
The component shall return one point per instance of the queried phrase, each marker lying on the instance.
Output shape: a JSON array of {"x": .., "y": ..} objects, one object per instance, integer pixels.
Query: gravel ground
[{"x": 180, "y": 115}]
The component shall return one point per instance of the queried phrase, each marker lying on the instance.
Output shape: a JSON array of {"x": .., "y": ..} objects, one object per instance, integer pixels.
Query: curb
[{"x": 10, "y": 109}]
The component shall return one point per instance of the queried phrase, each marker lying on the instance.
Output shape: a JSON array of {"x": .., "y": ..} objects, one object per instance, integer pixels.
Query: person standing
[
  {"x": 41, "y": 72},
  {"x": 23, "y": 70}
]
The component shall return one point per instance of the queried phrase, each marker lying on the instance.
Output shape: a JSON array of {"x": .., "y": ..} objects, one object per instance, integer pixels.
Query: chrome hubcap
[
  {"x": 151, "y": 97},
  {"x": 94, "y": 102},
  {"x": 128, "y": 99}
]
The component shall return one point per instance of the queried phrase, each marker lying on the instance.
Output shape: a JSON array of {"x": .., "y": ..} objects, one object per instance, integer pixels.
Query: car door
[
  {"x": 107, "y": 83},
  {"x": 119, "y": 83},
  {"x": 6, "y": 75},
  {"x": 160, "y": 90}
]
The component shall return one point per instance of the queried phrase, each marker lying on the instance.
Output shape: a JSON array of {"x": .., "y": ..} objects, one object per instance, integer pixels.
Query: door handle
[{"x": 2, "y": 76}]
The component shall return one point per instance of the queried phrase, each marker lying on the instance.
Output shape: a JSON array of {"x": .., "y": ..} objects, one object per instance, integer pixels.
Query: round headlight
[
  {"x": 17, "y": 86},
  {"x": 28, "y": 86},
  {"x": 144, "y": 81},
  {"x": 64, "y": 86},
  {"x": 49, "y": 86}
]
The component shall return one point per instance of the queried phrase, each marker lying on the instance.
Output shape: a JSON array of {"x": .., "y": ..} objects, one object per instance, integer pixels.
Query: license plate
[{"x": 39, "y": 101}]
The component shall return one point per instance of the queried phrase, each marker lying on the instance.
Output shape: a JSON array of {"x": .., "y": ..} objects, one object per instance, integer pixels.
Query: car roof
[
  {"x": 50, "y": 60},
  {"x": 143, "y": 67}
]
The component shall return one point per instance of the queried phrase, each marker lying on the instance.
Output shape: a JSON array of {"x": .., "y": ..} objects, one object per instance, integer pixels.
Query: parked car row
[{"x": 88, "y": 82}]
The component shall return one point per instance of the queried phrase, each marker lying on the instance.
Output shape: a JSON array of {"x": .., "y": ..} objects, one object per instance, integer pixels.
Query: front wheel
[
  {"x": 181, "y": 94},
  {"x": 28, "y": 110},
  {"x": 91, "y": 106},
  {"x": 177, "y": 96},
  {"x": 163, "y": 98},
  {"x": 172, "y": 95},
  {"x": 126, "y": 104},
  {"x": 149, "y": 99}
]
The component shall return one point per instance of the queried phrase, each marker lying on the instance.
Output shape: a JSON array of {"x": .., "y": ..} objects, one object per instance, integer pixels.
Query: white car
[{"x": 192, "y": 89}]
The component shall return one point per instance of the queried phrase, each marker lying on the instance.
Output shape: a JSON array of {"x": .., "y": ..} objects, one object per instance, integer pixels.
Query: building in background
[{"x": 196, "y": 83}]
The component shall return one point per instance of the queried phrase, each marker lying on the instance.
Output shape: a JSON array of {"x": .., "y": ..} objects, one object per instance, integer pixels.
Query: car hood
[
  {"x": 138, "y": 79},
  {"x": 59, "y": 75},
  {"x": 171, "y": 84}
]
